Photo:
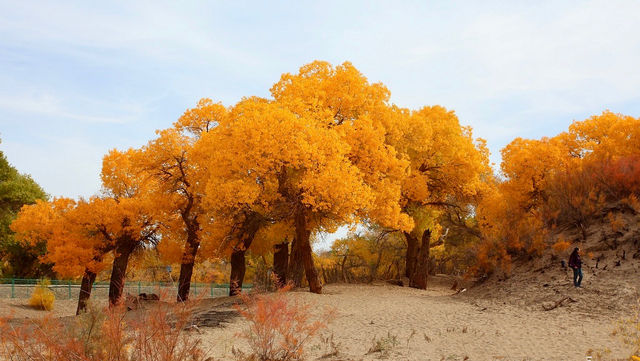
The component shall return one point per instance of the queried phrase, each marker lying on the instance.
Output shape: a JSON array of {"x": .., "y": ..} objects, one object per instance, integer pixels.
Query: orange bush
[
  {"x": 615, "y": 221},
  {"x": 105, "y": 335},
  {"x": 561, "y": 245},
  {"x": 279, "y": 326},
  {"x": 622, "y": 175}
]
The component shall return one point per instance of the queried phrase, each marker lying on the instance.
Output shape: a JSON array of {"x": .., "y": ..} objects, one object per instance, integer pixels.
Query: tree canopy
[{"x": 17, "y": 190}]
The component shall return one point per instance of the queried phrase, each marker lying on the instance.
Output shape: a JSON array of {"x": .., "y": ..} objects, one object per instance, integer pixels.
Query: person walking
[{"x": 576, "y": 264}]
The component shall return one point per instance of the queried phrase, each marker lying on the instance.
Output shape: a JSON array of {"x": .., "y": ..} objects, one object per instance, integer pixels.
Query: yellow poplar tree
[
  {"x": 268, "y": 160},
  {"x": 130, "y": 212},
  {"x": 447, "y": 168},
  {"x": 343, "y": 100},
  {"x": 170, "y": 162}
]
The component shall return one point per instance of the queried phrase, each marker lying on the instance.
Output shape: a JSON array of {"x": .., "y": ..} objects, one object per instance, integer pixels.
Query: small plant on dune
[
  {"x": 279, "y": 326},
  {"x": 384, "y": 345},
  {"x": 413, "y": 333},
  {"x": 157, "y": 334},
  {"x": 332, "y": 347},
  {"x": 629, "y": 332},
  {"x": 599, "y": 355},
  {"x": 42, "y": 297}
]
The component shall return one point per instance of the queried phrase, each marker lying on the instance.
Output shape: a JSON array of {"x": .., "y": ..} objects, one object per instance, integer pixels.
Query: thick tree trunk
[
  {"x": 303, "y": 233},
  {"x": 118, "y": 274},
  {"x": 238, "y": 269},
  {"x": 296, "y": 268},
  {"x": 186, "y": 267},
  {"x": 250, "y": 227},
  {"x": 88, "y": 279},
  {"x": 281, "y": 263},
  {"x": 418, "y": 278},
  {"x": 412, "y": 253}
]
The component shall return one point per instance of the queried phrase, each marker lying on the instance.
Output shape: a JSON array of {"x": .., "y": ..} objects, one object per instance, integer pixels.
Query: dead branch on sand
[{"x": 558, "y": 303}]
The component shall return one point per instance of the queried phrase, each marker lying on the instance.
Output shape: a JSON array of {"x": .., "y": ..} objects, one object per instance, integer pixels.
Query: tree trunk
[
  {"x": 303, "y": 233},
  {"x": 238, "y": 269},
  {"x": 342, "y": 268},
  {"x": 281, "y": 263},
  {"x": 88, "y": 279},
  {"x": 418, "y": 278},
  {"x": 186, "y": 267},
  {"x": 118, "y": 274},
  {"x": 250, "y": 227},
  {"x": 296, "y": 268},
  {"x": 412, "y": 252}
]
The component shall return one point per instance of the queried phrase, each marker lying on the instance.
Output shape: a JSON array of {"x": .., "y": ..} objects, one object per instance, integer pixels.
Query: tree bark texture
[
  {"x": 281, "y": 263},
  {"x": 412, "y": 253},
  {"x": 119, "y": 271},
  {"x": 420, "y": 274},
  {"x": 88, "y": 278},
  {"x": 238, "y": 268},
  {"x": 246, "y": 234},
  {"x": 295, "y": 272},
  {"x": 303, "y": 233},
  {"x": 186, "y": 267}
]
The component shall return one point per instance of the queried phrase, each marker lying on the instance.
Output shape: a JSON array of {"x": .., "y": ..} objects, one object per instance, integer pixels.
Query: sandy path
[{"x": 446, "y": 327}]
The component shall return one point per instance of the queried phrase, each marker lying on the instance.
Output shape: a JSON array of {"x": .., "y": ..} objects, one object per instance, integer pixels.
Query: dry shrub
[
  {"x": 633, "y": 202},
  {"x": 615, "y": 221},
  {"x": 279, "y": 326},
  {"x": 42, "y": 297},
  {"x": 629, "y": 332},
  {"x": 384, "y": 345},
  {"x": 157, "y": 334}
]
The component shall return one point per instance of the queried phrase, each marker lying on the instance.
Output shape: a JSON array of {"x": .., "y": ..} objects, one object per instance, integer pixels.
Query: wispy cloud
[
  {"x": 110, "y": 73},
  {"x": 52, "y": 107}
]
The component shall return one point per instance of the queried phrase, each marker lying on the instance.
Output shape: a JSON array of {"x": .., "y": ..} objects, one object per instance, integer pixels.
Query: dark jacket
[{"x": 574, "y": 260}]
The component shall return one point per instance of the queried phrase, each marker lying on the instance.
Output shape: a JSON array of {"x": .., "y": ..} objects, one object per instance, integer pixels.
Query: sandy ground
[{"x": 445, "y": 326}]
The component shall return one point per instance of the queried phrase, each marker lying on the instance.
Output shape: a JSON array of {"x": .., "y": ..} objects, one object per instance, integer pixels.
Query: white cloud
[
  {"x": 50, "y": 106},
  {"x": 508, "y": 68}
]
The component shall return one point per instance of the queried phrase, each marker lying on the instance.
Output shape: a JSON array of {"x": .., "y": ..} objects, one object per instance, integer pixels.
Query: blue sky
[{"x": 79, "y": 78}]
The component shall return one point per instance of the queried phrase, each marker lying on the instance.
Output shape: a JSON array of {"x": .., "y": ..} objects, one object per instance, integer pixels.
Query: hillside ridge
[{"x": 611, "y": 268}]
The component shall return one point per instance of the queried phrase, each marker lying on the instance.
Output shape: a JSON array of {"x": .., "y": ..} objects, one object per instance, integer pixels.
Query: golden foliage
[{"x": 563, "y": 180}]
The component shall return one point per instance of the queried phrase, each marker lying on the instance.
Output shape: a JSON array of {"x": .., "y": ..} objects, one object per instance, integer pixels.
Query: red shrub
[
  {"x": 105, "y": 335},
  {"x": 279, "y": 326}
]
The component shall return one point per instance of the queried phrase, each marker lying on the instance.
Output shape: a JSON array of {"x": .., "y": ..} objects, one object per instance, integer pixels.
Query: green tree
[{"x": 17, "y": 190}]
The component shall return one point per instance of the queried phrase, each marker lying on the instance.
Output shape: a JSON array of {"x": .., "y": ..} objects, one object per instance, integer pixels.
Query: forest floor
[{"x": 411, "y": 324}]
